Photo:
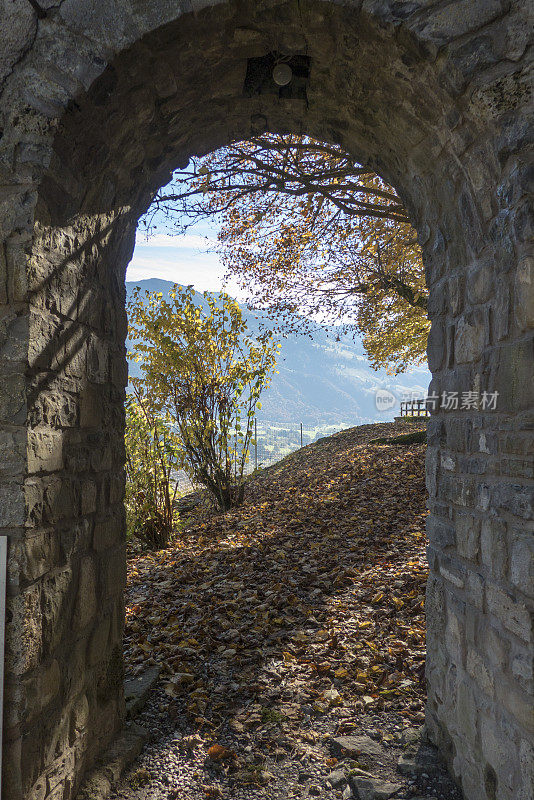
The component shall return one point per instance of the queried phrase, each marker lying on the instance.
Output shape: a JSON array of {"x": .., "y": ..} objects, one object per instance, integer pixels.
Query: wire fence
[{"x": 272, "y": 441}]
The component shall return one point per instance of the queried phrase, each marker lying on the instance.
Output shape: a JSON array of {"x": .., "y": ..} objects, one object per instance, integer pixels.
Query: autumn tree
[
  {"x": 152, "y": 455},
  {"x": 310, "y": 235},
  {"x": 205, "y": 375}
]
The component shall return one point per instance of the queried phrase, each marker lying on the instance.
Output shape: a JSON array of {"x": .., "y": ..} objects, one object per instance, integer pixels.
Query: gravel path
[{"x": 278, "y": 760}]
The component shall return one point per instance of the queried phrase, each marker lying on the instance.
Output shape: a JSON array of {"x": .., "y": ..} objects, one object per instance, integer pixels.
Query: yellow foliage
[
  {"x": 204, "y": 376},
  {"x": 310, "y": 234}
]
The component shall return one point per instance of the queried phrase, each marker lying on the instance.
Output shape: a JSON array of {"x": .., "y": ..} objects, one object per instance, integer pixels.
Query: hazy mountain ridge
[{"x": 320, "y": 381}]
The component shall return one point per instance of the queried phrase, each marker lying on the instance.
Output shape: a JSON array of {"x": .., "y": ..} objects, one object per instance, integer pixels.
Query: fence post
[
  {"x": 301, "y": 434},
  {"x": 256, "y": 444}
]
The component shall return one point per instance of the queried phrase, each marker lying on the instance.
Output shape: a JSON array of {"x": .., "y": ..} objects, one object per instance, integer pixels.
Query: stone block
[
  {"x": 88, "y": 497},
  {"x": 41, "y": 554},
  {"x": 45, "y": 451},
  {"x": 457, "y": 432},
  {"x": 501, "y": 312},
  {"x": 114, "y": 571},
  {"x": 76, "y": 349},
  {"x": 99, "y": 640},
  {"x": 57, "y": 409},
  {"x": 467, "y": 712},
  {"x": 110, "y": 680},
  {"x": 57, "y": 604},
  {"x": 39, "y": 789},
  {"x": 516, "y": 498},
  {"x": 79, "y": 717},
  {"x": 516, "y": 468},
  {"x": 78, "y": 457},
  {"x": 119, "y": 371},
  {"x": 46, "y": 348},
  {"x": 479, "y": 671},
  {"x": 12, "y": 507},
  {"x": 97, "y": 361},
  {"x": 456, "y": 287},
  {"x": 513, "y": 376},
  {"x": 107, "y": 533},
  {"x": 117, "y": 486},
  {"x": 12, "y": 452},
  {"x": 102, "y": 458},
  {"x": 526, "y": 764},
  {"x": 445, "y": 24},
  {"x": 91, "y": 406},
  {"x": 474, "y": 586},
  {"x": 14, "y": 338},
  {"x": 469, "y": 338},
  {"x": 495, "y": 646},
  {"x": 519, "y": 704},
  {"x": 435, "y": 601},
  {"x": 41, "y": 688},
  {"x": 432, "y": 461},
  {"x": 522, "y": 562},
  {"x": 24, "y": 631},
  {"x": 137, "y": 690},
  {"x": 11, "y": 777},
  {"x": 467, "y": 535},
  {"x": 479, "y": 282},
  {"x": 454, "y": 637},
  {"x": 514, "y": 615},
  {"x": 75, "y": 671},
  {"x": 436, "y": 345},
  {"x": 76, "y": 538},
  {"x": 440, "y": 533},
  {"x": 522, "y": 663},
  {"x": 14, "y": 710},
  {"x": 469, "y": 773},
  {"x": 452, "y": 575},
  {"x": 16, "y": 250},
  {"x": 524, "y": 293},
  {"x": 59, "y": 775},
  {"x": 494, "y": 547},
  {"x": 61, "y": 500},
  {"x": 459, "y": 490},
  {"x": 34, "y": 498},
  {"x": 86, "y": 601},
  {"x": 3, "y": 277}
]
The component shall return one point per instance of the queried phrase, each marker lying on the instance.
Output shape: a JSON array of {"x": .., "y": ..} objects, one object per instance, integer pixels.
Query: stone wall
[{"x": 100, "y": 101}]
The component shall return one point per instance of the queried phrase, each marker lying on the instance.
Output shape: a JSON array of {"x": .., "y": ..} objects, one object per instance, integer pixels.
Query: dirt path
[{"x": 285, "y": 624}]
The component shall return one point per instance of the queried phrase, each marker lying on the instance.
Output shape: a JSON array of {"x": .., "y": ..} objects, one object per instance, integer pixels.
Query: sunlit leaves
[
  {"x": 309, "y": 595},
  {"x": 310, "y": 234},
  {"x": 204, "y": 375},
  {"x": 151, "y": 455}
]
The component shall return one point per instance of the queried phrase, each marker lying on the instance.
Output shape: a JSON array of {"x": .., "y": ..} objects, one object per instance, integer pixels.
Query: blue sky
[{"x": 187, "y": 258}]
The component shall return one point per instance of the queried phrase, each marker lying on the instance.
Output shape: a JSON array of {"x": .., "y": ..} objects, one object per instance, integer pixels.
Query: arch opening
[{"x": 384, "y": 87}]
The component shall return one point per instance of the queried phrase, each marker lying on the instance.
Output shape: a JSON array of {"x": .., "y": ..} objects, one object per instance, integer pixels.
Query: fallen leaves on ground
[{"x": 308, "y": 597}]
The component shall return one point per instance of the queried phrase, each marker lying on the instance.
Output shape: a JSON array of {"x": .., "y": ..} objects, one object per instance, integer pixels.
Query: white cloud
[
  {"x": 203, "y": 270},
  {"x": 178, "y": 242}
]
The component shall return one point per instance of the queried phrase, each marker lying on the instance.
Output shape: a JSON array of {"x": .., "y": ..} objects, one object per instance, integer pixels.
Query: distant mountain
[{"x": 321, "y": 381}]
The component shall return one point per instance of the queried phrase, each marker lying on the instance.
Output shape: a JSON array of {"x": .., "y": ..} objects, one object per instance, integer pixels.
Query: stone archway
[{"x": 100, "y": 101}]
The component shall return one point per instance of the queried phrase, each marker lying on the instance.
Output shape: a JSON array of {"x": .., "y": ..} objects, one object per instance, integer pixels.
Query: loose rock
[
  {"x": 373, "y": 789},
  {"x": 337, "y": 779},
  {"x": 355, "y": 746}
]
